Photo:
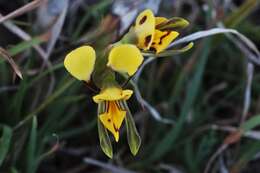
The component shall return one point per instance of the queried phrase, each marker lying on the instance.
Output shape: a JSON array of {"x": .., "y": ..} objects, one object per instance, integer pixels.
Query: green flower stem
[
  {"x": 129, "y": 38},
  {"x": 102, "y": 74}
]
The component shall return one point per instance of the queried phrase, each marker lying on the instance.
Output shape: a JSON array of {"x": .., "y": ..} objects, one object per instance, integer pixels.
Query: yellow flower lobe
[
  {"x": 80, "y": 62},
  {"x": 125, "y": 58}
]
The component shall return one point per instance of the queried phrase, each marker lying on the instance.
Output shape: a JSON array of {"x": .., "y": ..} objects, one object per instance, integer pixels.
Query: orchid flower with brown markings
[
  {"x": 152, "y": 34},
  {"x": 112, "y": 106}
]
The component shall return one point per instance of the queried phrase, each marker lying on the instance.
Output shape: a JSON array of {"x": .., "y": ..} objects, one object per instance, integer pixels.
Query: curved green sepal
[
  {"x": 133, "y": 138},
  {"x": 104, "y": 139},
  {"x": 174, "y": 23},
  {"x": 168, "y": 52}
]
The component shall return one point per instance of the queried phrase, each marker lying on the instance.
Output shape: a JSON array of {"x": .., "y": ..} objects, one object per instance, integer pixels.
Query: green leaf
[
  {"x": 133, "y": 138},
  {"x": 31, "y": 148},
  {"x": 25, "y": 45},
  {"x": 251, "y": 123},
  {"x": 5, "y": 142}
]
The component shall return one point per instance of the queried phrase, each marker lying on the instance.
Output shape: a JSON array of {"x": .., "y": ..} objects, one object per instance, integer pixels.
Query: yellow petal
[
  {"x": 144, "y": 29},
  {"x": 162, "y": 39},
  {"x": 106, "y": 120},
  {"x": 111, "y": 94},
  {"x": 159, "y": 20},
  {"x": 113, "y": 118},
  {"x": 80, "y": 62},
  {"x": 117, "y": 114},
  {"x": 125, "y": 58}
]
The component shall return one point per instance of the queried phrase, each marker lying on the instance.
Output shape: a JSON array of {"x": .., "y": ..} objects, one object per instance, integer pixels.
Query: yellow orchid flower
[
  {"x": 156, "y": 33},
  {"x": 112, "y": 106},
  {"x": 151, "y": 34}
]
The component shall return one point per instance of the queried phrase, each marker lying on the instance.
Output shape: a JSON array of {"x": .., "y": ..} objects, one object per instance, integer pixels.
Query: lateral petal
[
  {"x": 125, "y": 58},
  {"x": 144, "y": 29},
  {"x": 80, "y": 62},
  {"x": 162, "y": 40}
]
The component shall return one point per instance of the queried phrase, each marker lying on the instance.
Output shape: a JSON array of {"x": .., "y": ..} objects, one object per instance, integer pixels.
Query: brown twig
[
  {"x": 28, "y": 7},
  {"x": 9, "y": 59}
]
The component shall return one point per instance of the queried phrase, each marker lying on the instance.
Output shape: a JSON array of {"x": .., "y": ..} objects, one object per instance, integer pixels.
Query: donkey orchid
[
  {"x": 113, "y": 110},
  {"x": 149, "y": 34}
]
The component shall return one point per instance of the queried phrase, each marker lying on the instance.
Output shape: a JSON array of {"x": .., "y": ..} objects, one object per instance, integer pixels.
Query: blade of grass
[
  {"x": 25, "y": 45},
  {"x": 17, "y": 101},
  {"x": 94, "y": 9},
  {"x": 57, "y": 110},
  {"x": 77, "y": 131},
  {"x": 241, "y": 13},
  {"x": 48, "y": 101},
  {"x": 251, "y": 123},
  {"x": 5, "y": 142},
  {"x": 190, "y": 157},
  {"x": 31, "y": 148}
]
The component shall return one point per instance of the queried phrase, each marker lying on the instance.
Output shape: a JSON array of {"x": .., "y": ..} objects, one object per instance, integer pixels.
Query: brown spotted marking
[
  {"x": 109, "y": 120},
  {"x": 142, "y": 20},
  {"x": 147, "y": 40},
  {"x": 118, "y": 105},
  {"x": 116, "y": 129},
  {"x": 163, "y": 36},
  {"x": 153, "y": 49}
]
